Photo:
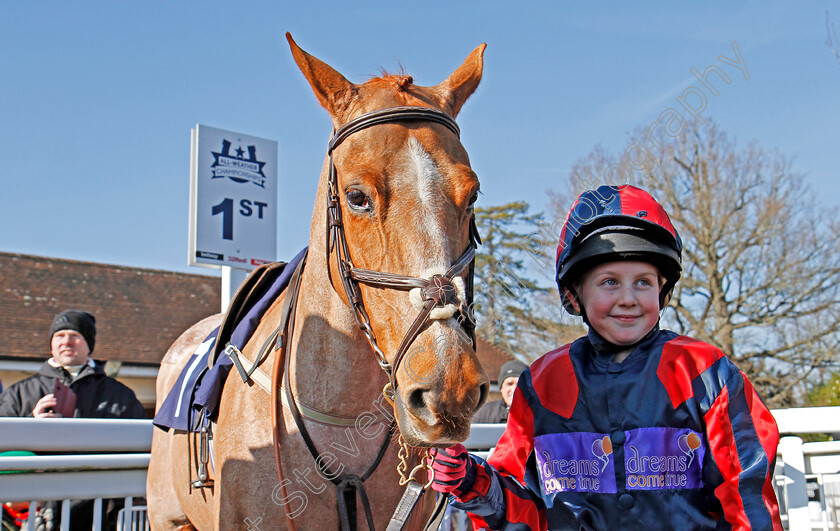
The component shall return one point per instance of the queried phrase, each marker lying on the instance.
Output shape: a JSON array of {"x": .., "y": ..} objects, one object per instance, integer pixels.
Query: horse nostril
[
  {"x": 483, "y": 389},
  {"x": 416, "y": 400}
]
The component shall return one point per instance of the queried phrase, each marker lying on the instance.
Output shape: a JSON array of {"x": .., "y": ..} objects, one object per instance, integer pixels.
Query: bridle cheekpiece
[{"x": 437, "y": 297}]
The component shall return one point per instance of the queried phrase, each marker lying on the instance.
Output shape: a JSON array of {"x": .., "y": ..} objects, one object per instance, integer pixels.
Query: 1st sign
[{"x": 233, "y": 198}]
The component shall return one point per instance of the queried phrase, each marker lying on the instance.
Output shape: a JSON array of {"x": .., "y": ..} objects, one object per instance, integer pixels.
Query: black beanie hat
[
  {"x": 511, "y": 369},
  {"x": 78, "y": 320}
]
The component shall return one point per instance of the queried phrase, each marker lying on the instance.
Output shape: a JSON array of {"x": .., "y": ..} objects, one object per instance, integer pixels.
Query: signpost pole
[{"x": 232, "y": 278}]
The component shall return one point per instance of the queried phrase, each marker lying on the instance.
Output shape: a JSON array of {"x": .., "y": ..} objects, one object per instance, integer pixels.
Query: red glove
[{"x": 454, "y": 470}]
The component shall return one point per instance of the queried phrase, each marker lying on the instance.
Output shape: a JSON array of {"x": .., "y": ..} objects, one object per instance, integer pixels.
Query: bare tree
[
  {"x": 761, "y": 258},
  {"x": 544, "y": 326},
  {"x": 832, "y": 41}
]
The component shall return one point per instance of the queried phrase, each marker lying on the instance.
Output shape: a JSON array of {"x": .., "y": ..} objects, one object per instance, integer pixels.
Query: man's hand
[
  {"x": 454, "y": 470},
  {"x": 44, "y": 407}
]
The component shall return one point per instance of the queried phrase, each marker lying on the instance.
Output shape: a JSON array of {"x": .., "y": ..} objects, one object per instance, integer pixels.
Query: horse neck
[{"x": 333, "y": 367}]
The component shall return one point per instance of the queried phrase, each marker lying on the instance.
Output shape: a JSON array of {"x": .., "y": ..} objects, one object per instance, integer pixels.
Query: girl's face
[{"x": 621, "y": 300}]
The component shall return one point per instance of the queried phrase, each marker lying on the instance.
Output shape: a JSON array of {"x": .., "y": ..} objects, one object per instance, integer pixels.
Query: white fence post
[{"x": 796, "y": 491}]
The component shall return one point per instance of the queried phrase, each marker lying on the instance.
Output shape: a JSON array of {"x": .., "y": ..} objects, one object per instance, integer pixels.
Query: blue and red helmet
[{"x": 615, "y": 223}]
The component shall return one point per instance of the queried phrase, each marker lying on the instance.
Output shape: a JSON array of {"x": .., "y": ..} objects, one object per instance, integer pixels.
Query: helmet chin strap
[{"x": 579, "y": 304}]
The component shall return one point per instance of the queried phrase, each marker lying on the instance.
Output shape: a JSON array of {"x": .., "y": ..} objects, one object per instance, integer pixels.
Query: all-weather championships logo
[{"x": 238, "y": 168}]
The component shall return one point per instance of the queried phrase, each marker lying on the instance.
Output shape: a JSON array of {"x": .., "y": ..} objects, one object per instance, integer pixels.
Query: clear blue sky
[{"x": 97, "y": 99}]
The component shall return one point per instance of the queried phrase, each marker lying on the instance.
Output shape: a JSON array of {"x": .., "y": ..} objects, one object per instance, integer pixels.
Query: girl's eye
[{"x": 357, "y": 199}]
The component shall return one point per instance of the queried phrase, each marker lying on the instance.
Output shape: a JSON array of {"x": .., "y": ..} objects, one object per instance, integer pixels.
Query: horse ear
[
  {"x": 332, "y": 89},
  {"x": 455, "y": 90}
]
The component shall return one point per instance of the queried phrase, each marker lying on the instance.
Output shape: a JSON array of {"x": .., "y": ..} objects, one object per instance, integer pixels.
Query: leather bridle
[{"x": 437, "y": 291}]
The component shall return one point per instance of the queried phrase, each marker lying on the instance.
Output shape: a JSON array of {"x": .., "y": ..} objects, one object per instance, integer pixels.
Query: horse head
[{"x": 400, "y": 230}]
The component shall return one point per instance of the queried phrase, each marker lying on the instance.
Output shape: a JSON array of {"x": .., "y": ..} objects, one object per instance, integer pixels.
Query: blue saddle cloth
[{"x": 198, "y": 388}]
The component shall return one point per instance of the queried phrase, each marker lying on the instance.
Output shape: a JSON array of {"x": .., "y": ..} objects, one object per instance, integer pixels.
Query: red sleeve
[
  {"x": 517, "y": 441},
  {"x": 683, "y": 360},
  {"x": 741, "y": 432},
  {"x": 522, "y": 507},
  {"x": 744, "y": 450}
]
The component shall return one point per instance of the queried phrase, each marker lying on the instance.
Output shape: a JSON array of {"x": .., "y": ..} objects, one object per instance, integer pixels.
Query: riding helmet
[{"x": 613, "y": 223}]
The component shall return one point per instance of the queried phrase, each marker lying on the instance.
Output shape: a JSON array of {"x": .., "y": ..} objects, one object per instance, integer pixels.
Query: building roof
[
  {"x": 139, "y": 312},
  {"x": 491, "y": 357}
]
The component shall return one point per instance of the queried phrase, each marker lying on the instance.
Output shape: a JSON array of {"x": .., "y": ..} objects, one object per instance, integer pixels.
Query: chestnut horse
[{"x": 401, "y": 193}]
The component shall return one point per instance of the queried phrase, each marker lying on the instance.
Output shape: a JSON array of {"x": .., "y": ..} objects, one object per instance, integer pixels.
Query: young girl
[{"x": 629, "y": 427}]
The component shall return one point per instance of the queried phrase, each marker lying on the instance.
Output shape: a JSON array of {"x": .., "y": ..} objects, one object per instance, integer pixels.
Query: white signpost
[{"x": 233, "y": 204}]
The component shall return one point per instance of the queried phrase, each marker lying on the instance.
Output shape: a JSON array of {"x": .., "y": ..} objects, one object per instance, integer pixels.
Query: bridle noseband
[{"x": 437, "y": 291}]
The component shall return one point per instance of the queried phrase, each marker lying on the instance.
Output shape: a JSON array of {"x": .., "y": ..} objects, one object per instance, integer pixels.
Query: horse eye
[
  {"x": 358, "y": 199},
  {"x": 473, "y": 199}
]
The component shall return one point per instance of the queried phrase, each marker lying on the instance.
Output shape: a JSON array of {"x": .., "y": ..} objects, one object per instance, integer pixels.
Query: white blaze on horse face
[
  {"x": 422, "y": 170},
  {"x": 432, "y": 257}
]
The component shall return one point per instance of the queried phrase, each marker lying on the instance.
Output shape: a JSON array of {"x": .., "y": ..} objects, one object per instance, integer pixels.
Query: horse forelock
[
  {"x": 401, "y": 82},
  {"x": 392, "y": 90}
]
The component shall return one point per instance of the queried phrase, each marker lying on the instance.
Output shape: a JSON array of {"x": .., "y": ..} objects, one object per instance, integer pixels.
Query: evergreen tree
[{"x": 513, "y": 310}]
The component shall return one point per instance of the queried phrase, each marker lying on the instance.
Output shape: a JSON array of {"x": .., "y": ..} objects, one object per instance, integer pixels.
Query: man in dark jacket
[
  {"x": 497, "y": 411},
  {"x": 72, "y": 338}
]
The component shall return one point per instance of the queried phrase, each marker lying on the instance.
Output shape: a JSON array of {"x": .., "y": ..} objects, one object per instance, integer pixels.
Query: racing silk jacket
[{"x": 674, "y": 437}]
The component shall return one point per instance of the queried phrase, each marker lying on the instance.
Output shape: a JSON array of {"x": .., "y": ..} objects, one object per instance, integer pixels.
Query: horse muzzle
[{"x": 440, "y": 386}]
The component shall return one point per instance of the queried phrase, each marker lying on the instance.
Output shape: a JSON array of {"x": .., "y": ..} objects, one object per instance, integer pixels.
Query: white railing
[
  {"x": 93, "y": 475},
  {"x": 807, "y": 474}
]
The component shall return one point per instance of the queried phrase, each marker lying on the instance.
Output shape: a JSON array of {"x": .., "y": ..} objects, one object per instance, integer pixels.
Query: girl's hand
[{"x": 454, "y": 470}]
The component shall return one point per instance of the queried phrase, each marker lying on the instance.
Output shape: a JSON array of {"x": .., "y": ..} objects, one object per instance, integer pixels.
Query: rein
[
  {"x": 438, "y": 291},
  {"x": 347, "y": 484}
]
